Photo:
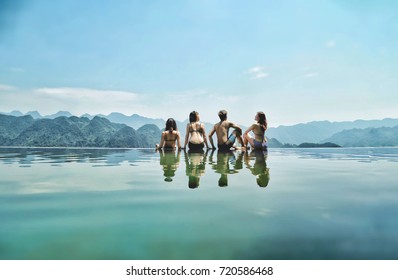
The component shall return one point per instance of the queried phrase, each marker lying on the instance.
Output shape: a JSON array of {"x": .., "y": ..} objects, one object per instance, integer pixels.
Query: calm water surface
[{"x": 142, "y": 204}]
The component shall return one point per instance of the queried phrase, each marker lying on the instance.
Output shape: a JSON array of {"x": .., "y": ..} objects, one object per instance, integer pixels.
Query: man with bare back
[{"x": 225, "y": 142}]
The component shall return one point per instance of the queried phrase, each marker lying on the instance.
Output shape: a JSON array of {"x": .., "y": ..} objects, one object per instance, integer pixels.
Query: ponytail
[{"x": 262, "y": 120}]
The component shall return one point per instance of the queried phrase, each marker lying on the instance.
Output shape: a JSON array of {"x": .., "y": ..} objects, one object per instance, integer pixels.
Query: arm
[
  {"x": 248, "y": 130},
  {"x": 204, "y": 135},
  {"x": 186, "y": 136},
  {"x": 211, "y": 137},
  {"x": 178, "y": 141},
  {"x": 161, "y": 142},
  {"x": 237, "y": 127}
]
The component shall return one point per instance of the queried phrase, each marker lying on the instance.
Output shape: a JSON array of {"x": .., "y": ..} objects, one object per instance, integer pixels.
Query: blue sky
[{"x": 297, "y": 61}]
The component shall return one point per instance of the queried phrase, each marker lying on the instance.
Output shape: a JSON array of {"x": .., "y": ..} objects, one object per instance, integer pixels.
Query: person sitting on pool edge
[
  {"x": 225, "y": 142},
  {"x": 195, "y": 136},
  {"x": 169, "y": 136},
  {"x": 259, "y": 142}
]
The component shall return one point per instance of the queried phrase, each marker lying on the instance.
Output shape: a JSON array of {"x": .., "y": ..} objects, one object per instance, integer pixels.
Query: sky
[{"x": 297, "y": 61}]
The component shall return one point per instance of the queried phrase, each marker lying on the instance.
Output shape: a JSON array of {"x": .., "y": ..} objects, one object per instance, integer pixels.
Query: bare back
[
  {"x": 221, "y": 129},
  {"x": 258, "y": 132},
  {"x": 196, "y": 132}
]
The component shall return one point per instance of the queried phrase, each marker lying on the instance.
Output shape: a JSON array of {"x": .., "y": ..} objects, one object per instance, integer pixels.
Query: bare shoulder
[
  {"x": 251, "y": 127},
  {"x": 232, "y": 124},
  {"x": 256, "y": 126}
]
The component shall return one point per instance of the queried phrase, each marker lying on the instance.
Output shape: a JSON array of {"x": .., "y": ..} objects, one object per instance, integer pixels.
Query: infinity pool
[{"x": 141, "y": 204}]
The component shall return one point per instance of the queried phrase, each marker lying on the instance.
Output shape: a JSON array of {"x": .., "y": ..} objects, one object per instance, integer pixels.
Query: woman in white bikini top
[{"x": 195, "y": 136}]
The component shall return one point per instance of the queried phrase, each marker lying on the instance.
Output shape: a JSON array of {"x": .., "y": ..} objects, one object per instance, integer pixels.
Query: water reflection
[
  {"x": 227, "y": 162},
  {"x": 170, "y": 161},
  {"x": 56, "y": 156},
  {"x": 256, "y": 162},
  {"x": 195, "y": 165},
  {"x": 223, "y": 163},
  {"x": 360, "y": 154}
]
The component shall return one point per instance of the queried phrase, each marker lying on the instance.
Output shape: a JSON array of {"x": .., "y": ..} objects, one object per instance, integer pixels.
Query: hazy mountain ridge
[
  {"x": 135, "y": 121},
  {"x": 368, "y": 137},
  {"x": 74, "y": 132},
  {"x": 322, "y": 131},
  {"x": 316, "y": 132}
]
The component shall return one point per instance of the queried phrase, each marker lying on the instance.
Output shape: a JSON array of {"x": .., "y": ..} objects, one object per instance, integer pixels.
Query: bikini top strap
[
  {"x": 168, "y": 133},
  {"x": 191, "y": 129}
]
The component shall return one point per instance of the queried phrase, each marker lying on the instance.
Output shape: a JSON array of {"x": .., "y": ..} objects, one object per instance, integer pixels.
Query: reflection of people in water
[
  {"x": 195, "y": 163},
  {"x": 228, "y": 162},
  {"x": 170, "y": 162},
  {"x": 259, "y": 168}
]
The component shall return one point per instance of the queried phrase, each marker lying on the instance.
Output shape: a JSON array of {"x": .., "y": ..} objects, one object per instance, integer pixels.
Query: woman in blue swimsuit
[{"x": 259, "y": 142}]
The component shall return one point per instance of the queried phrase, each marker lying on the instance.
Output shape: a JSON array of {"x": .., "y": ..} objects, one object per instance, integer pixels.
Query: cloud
[
  {"x": 17, "y": 70},
  {"x": 331, "y": 44},
  {"x": 86, "y": 100},
  {"x": 86, "y": 94},
  {"x": 257, "y": 72},
  {"x": 255, "y": 69},
  {"x": 6, "y": 87},
  {"x": 188, "y": 94},
  {"x": 310, "y": 75},
  {"x": 260, "y": 75},
  {"x": 78, "y": 101}
]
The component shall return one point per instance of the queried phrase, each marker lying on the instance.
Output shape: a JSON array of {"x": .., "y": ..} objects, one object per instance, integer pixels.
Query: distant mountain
[
  {"x": 281, "y": 136},
  {"x": 15, "y": 113},
  {"x": 11, "y": 126},
  {"x": 37, "y": 115},
  {"x": 74, "y": 132},
  {"x": 150, "y": 133},
  {"x": 87, "y": 116},
  {"x": 318, "y": 131},
  {"x": 34, "y": 114},
  {"x": 129, "y": 137},
  {"x": 316, "y": 145},
  {"x": 274, "y": 143},
  {"x": 58, "y": 114},
  {"x": 135, "y": 121},
  {"x": 369, "y": 137}
]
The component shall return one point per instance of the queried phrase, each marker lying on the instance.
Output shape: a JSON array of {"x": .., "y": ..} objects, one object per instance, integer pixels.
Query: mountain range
[
  {"x": 74, "y": 132},
  {"x": 135, "y": 121},
  {"x": 368, "y": 137},
  {"x": 322, "y": 131},
  {"x": 357, "y": 133}
]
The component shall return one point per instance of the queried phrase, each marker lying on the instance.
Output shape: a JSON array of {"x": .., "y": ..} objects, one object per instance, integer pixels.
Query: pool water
[{"x": 142, "y": 204}]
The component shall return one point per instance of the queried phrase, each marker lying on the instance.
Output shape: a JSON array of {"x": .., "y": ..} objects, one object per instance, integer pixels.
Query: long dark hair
[
  {"x": 171, "y": 125},
  {"x": 262, "y": 120},
  {"x": 193, "y": 116}
]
